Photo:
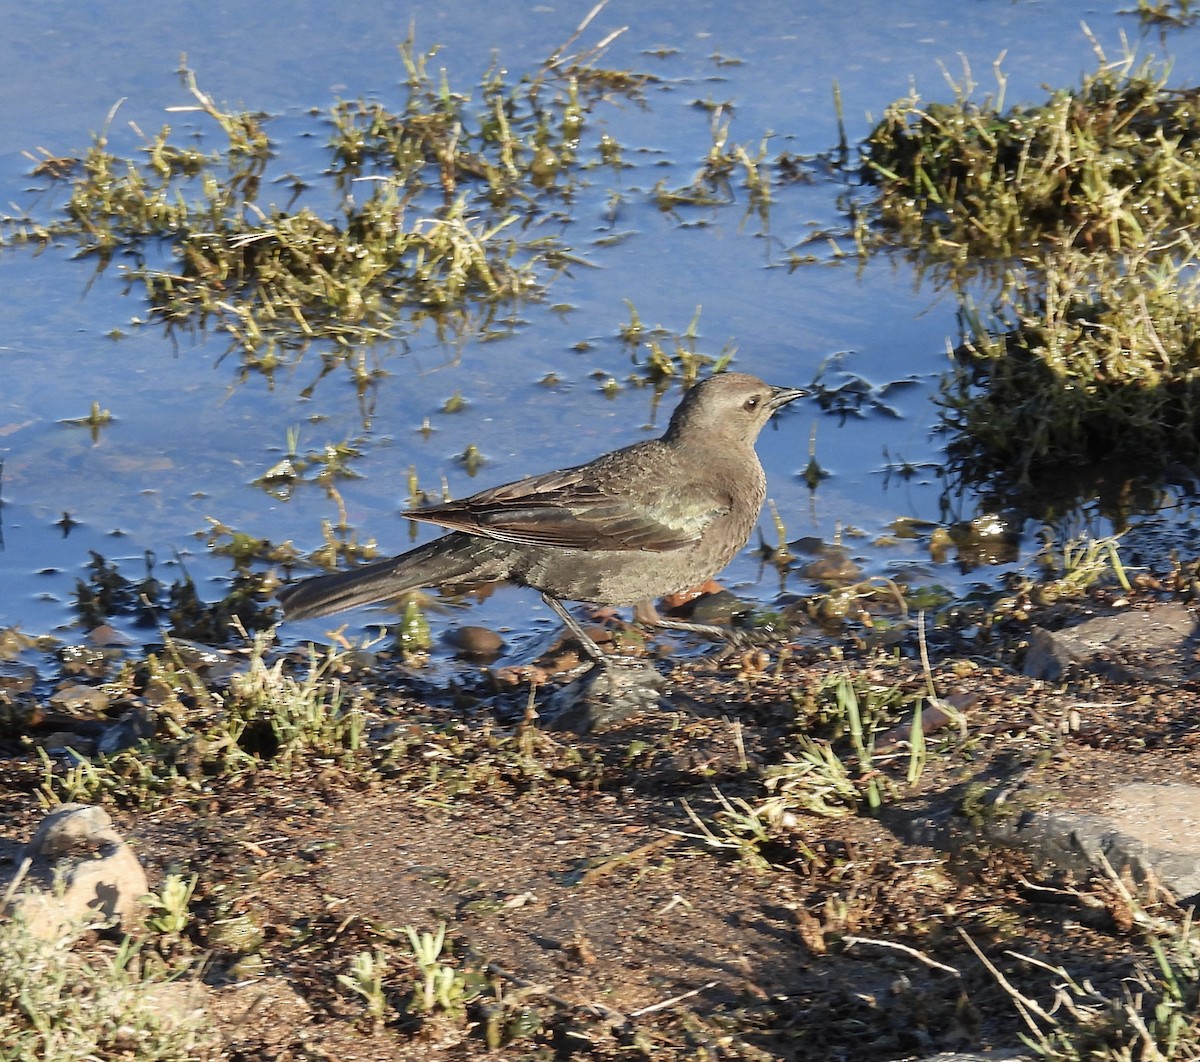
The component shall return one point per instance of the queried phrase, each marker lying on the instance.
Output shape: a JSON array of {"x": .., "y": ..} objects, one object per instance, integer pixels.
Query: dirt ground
[{"x": 592, "y": 917}]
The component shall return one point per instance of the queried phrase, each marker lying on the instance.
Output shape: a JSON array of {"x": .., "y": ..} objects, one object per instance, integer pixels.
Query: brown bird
[{"x": 651, "y": 519}]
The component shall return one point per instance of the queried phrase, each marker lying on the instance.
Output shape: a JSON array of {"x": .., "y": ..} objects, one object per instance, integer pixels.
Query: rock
[
  {"x": 17, "y": 678},
  {"x": 604, "y": 697},
  {"x": 88, "y": 660},
  {"x": 76, "y": 870},
  {"x": 476, "y": 643},
  {"x": 1047, "y": 656},
  {"x": 218, "y": 666},
  {"x": 107, "y": 637},
  {"x": 1151, "y": 830},
  {"x": 67, "y": 741},
  {"x": 80, "y": 700},
  {"x": 1011, "y": 1055},
  {"x": 833, "y": 567},
  {"x": 716, "y": 609},
  {"x": 1156, "y": 645},
  {"x": 132, "y": 727}
]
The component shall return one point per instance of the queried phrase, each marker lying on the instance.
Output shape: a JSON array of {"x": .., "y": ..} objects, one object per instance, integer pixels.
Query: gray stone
[
  {"x": 132, "y": 727},
  {"x": 62, "y": 741},
  {"x": 605, "y": 697},
  {"x": 1148, "y": 829},
  {"x": 475, "y": 643},
  {"x": 1155, "y": 645},
  {"x": 79, "y": 699}
]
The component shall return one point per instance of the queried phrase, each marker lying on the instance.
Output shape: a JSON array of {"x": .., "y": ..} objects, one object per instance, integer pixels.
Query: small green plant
[
  {"x": 815, "y": 782},
  {"x": 96, "y": 419},
  {"x": 743, "y": 829},
  {"x": 129, "y": 777},
  {"x": 368, "y": 969},
  {"x": 60, "y": 1006},
  {"x": 279, "y": 717},
  {"x": 169, "y": 914},
  {"x": 413, "y": 633},
  {"x": 441, "y": 987},
  {"x": 1081, "y": 564}
]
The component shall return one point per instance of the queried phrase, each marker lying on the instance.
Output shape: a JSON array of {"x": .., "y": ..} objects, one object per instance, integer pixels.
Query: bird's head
[{"x": 731, "y": 405}]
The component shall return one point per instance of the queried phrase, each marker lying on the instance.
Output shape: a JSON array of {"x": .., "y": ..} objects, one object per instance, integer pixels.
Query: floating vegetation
[
  {"x": 438, "y": 204},
  {"x": 1164, "y": 13},
  {"x": 661, "y": 354}
]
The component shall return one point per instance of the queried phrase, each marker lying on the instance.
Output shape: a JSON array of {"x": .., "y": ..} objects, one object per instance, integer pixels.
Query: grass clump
[
  {"x": 1164, "y": 13},
  {"x": 1102, "y": 165},
  {"x": 1079, "y": 209},
  {"x": 122, "y": 1003},
  {"x": 661, "y": 354},
  {"x": 262, "y": 716},
  {"x": 836, "y": 770}
]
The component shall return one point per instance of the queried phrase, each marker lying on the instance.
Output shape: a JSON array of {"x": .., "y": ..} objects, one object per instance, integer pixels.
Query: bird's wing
[{"x": 564, "y": 509}]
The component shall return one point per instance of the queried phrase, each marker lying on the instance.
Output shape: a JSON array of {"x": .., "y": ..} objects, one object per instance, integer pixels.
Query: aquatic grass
[
  {"x": 1100, "y": 165},
  {"x": 1075, "y": 213},
  {"x": 440, "y": 211},
  {"x": 1164, "y": 13},
  {"x": 714, "y": 183},
  {"x": 662, "y": 354}
]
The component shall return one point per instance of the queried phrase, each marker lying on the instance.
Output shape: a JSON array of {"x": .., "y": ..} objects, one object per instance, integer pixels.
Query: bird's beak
[{"x": 781, "y": 396}]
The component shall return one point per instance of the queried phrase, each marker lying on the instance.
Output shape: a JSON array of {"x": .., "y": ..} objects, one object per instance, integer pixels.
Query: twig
[
  {"x": 920, "y": 956},
  {"x": 673, "y": 1000},
  {"x": 1024, "y": 1004},
  {"x": 592, "y": 874}
]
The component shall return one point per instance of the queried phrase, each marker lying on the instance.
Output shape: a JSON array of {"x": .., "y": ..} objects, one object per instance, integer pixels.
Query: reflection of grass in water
[{"x": 1083, "y": 204}]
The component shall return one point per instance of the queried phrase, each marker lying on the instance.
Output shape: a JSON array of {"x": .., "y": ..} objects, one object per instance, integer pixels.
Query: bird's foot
[{"x": 743, "y": 640}]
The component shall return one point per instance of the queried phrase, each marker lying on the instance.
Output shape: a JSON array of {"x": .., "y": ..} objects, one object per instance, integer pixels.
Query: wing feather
[{"x": 564, "y": 509}]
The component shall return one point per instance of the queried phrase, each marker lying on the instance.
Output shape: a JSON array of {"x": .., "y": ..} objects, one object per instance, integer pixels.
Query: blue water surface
[{"x": 189, "y": 440}]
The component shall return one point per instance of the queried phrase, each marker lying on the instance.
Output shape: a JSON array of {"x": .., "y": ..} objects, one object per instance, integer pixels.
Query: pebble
[
  {"x": 475, "y": 642},
  {"x": 78, "y": 699}
]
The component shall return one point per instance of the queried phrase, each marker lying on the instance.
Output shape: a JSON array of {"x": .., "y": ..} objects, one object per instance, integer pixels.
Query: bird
[{"x": 650, "y": 519}]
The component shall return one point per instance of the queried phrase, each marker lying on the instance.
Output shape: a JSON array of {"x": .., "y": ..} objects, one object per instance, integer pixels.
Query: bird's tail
[{"x": 450, "y": 560}]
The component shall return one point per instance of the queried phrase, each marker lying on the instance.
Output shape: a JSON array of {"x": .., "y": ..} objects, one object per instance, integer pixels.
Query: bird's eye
[{"x": 751, "y": 404}]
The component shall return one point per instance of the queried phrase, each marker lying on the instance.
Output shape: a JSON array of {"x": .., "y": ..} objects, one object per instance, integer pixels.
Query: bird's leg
[
  {"x": 613, "y": 689},
  {"x": 585, "y": 640},
  {"x": 647, "y": 615}
]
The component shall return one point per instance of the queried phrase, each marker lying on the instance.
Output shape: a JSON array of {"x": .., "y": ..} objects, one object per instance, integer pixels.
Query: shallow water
[{"x": 188, "y": 440}]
